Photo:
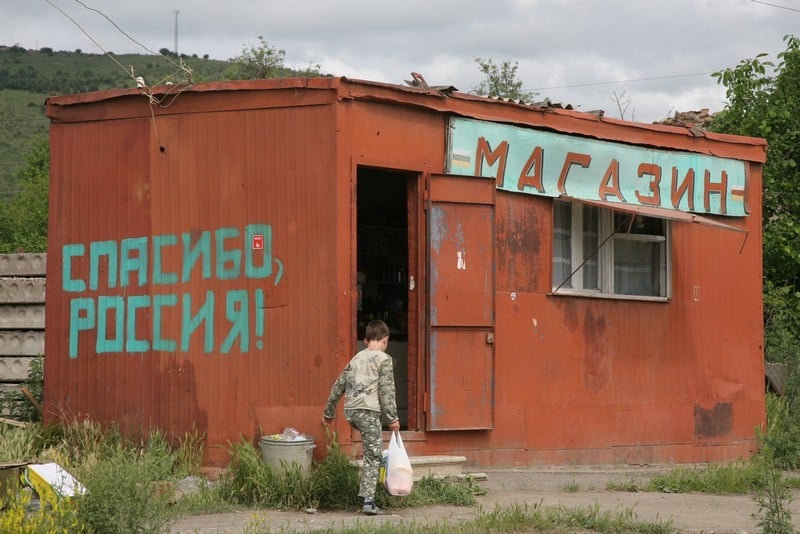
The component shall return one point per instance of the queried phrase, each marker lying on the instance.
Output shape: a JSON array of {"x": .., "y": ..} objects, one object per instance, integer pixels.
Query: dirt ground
[{"x": 549, "y": 486}]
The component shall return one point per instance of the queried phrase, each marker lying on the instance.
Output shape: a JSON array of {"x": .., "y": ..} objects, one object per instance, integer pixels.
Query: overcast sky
[{"x": 659, "y": 53}]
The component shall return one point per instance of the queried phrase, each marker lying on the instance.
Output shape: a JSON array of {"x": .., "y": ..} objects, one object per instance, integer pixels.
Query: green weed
[
  {"x": 18, "y": 444},
  {"x": 335, "y": 479},
  {"x": 628, "y": 484},
  {"x": 18, "y": 516},
  {"x": 773, "y": 500},
  {"x": 736, "y": 478},
  {"x": 16, "y": 405},
  {"x": 571, "y": 487},
  {"x": 781, "y": 441},
  {"x": 515, "y": 518},
  {"x": 430, "y": 491},
  {"x": 125, "y": 493},
  {"x": 206, "y": 500},
  {"x": 330, "y": 484}
]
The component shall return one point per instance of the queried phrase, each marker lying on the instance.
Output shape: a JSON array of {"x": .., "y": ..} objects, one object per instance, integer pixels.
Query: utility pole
[{"x": 176, "y": 31}]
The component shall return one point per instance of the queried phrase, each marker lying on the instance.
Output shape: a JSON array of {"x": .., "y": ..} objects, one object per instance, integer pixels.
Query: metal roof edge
[
  {"x": 558, "y": 119},
  {"x": 202, "y": 87},
  {"x": 447, "y": 99}
]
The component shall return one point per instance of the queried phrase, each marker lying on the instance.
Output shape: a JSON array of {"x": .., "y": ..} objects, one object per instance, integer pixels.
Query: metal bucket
[{"x": 280, "y": 454}]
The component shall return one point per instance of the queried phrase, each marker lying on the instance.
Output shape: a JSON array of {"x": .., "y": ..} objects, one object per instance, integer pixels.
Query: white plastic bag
[{"x": 399, "y": 474}]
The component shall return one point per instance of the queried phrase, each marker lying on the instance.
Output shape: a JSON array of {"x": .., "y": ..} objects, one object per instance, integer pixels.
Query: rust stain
[
  {"x": 715, "y": 422},
  {"x": 570, "y": 313},
  {"x": 518, "y": 244},
  {"x": 596, "y": 359}
]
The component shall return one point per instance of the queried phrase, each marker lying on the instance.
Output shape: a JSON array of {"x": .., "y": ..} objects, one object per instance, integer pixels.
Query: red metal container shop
[{"x": 561, "y": 288}]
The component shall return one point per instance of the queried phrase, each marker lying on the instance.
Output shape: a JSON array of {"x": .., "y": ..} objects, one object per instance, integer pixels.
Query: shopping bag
[{"x": 399, "y": 474}]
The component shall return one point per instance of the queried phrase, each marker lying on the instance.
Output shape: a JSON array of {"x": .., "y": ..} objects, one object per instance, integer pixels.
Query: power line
[
  {"x": 776, "y": 5},
  {"x": 590, "y": 84}
]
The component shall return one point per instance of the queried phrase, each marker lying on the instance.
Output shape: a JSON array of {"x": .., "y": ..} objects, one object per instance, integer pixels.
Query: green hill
[{"x": 27, "y": 77}]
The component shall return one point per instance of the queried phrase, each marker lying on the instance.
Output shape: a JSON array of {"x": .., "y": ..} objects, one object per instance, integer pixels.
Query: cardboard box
[
  {"x": 9, "y": 478},
  {"x": 52, "y": 482}
]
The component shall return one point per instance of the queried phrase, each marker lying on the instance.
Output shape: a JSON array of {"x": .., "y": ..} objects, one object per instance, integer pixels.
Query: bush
[
  {"x": 330, "y": 484},
  {"x": 781, "y": 441},
  {"x": 250, "y": 481},
  {"x": 775, "y": 516},
  {"x": 122, "y": 495}
]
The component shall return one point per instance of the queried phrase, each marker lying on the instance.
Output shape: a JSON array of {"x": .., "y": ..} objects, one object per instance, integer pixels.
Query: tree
[
  {"x": 623, "y": 103},
  {"x": 265, "y": 61},
  {"x": 764, "y": 101},
  {"x": 500, "y": 80},
  {"x": 260, "y": 61},
  {"x": 23, "y": 220}
]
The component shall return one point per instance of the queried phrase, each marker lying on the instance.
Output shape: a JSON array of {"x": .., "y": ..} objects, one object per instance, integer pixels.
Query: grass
[
  {"x": 735, "y": 478},
  {"x": 332, "y": 484},
  {"x": 22, "y": 119},
  {"x": 515, "y": 518},
  {"x": 132, "y": 486},
  {"x": 628, "y": 484}
]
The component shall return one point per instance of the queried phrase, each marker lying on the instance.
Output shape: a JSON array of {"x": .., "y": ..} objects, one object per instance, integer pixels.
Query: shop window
[{"x": 602, "y": 252}]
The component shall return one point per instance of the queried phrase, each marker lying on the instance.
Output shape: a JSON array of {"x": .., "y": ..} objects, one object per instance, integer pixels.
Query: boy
[{"x": 368, "y": 385}]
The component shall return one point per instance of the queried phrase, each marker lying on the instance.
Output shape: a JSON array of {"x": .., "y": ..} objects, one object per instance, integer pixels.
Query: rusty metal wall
[
  {"x": 137, "y": 186},
  {"x": 22, "y": 290},
  {"x": 577, "y": 380}
]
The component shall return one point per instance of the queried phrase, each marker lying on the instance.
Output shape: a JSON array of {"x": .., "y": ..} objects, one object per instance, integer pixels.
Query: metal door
[{"x": 461, "y": 237}]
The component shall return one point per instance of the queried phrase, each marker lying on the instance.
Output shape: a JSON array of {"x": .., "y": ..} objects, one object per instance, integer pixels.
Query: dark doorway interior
[{"x": 382, "y": 219}]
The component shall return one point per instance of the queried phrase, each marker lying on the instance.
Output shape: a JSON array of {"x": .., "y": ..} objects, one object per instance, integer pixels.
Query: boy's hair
[{"x": 376, "y": 330}]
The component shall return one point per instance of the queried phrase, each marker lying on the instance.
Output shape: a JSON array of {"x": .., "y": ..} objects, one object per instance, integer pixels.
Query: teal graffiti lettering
[
  {"x": 130, "y": 323},
  {"x": 96, "y": 250},
  {"x": 228, "y": 261},
  {"x": 78, "y": 323},
  {"x": 279, "y": 274},
  {"x": 159, "y": 276},
  {"x": 136, "y": 263},
  {"x": 201, "y": 250},
  {"x": 159, "y": 343},
  {"x": 131, "y": 343},
  {"x": 67, "y": 282},
  {"x": 191, "y": 323},
  {"x": 251, "y": 270},
  {"x": 259, "y": 309},
  {"x": 236, "y": 311},
  {"x": 104, "y": 305}
]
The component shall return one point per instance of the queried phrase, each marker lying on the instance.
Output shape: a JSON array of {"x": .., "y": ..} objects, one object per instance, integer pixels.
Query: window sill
[{"x": 563, "y": 292}]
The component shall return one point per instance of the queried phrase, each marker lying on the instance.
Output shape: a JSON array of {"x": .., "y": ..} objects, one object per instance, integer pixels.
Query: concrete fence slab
[
  {"x": 23, "y": 264},
  {"x": 22, "y": 290},
  {"x": 21, "y": 343},
  {"x": 15, "y": 368},
  {"x": 21, "y": 316}
]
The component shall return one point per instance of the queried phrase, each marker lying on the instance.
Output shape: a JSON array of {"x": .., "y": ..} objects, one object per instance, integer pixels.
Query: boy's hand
[
  {"x": 394, "y": 426},
  {"x": 327, "y": 421}
]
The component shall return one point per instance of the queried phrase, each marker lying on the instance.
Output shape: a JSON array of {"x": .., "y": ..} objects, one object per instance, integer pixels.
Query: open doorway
[{"x": 383, "y": 271}]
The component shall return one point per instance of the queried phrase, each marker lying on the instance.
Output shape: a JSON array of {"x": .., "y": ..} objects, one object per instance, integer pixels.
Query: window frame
[{"x": 606, "y": 237}]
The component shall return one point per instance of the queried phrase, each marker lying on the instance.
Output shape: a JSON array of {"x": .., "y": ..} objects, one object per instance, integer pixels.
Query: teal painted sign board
[{"x": 536, "y": 162}]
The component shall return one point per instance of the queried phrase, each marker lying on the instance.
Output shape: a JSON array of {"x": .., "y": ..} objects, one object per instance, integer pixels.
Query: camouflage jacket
[{"x": 367, "y": 384}]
